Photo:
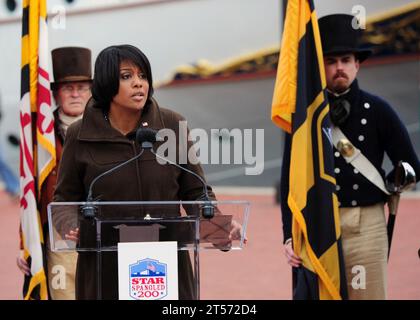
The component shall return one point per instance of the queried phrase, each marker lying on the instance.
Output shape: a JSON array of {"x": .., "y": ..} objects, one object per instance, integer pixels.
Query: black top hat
[
  {"x": 338, "y": 36},
  {"x": 71, "y": 64}
]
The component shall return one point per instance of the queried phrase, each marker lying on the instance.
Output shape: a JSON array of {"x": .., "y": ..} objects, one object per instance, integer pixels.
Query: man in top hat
[
  {"x": 72, "y": 69},
  {"x": 365, "y": 122}
]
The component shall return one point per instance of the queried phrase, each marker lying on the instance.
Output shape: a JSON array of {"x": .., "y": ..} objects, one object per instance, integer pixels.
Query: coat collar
[
  {"x": 352, "y": 95},
  {"x": 95, "y": 127}
]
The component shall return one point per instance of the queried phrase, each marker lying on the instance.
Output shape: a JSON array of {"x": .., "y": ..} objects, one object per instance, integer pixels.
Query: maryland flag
[
  {"x": 37, "y": 146},
  {"x": 300, "y": 108}
]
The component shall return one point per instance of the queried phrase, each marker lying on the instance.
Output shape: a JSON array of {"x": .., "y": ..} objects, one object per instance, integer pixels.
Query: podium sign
[{"x": 148, "y": 270}]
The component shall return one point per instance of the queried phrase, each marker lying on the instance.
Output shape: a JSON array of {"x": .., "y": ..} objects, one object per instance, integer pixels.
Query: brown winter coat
[{"x": 93, "y": 146}]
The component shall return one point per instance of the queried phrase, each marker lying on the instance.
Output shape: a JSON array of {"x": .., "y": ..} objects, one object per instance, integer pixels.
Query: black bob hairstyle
[{"x": 106, "y": 79}]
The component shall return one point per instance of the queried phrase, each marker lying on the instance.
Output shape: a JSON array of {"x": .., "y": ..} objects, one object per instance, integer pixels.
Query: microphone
[{"x": 146, "y": 137}]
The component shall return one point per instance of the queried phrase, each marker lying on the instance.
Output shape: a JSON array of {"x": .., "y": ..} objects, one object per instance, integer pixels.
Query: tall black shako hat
[{"x": 338, "y": 36}]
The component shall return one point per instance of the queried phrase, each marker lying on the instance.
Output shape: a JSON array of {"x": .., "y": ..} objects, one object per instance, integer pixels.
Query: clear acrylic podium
[{"x": 109, "y": 223}]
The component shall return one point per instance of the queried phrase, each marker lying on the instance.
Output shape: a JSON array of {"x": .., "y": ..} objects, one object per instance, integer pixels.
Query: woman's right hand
[
  {"x": 73, "y": 235},
  {"x": 292, "y": 259}
]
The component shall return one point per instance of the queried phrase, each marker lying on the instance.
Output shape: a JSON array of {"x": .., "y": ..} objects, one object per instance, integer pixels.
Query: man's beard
[{"x": 342, "y": 84}]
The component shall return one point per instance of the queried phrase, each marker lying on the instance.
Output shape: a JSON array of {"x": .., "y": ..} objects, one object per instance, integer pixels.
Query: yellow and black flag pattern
[
  {"x": 37, "y": 146},
  {"x": 300, "y": 108}
]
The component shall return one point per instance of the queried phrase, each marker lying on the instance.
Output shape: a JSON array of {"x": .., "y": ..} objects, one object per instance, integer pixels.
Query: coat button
[
  {"x": 354, "y": 203},
  {"x": 361, "y": 138},
  {"x": 337, "y": 187},
  {"x": 367, "y": 105},
  {"x": 363, "y": 121},
  {"x": 355, "y": 171},
  {"x": 355, "y": 187},
  {"x": 337, "y": 170},
  {"x": 336, "y": 154}
]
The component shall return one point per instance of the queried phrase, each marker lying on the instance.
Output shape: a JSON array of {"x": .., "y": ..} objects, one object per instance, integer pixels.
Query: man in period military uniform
[{"x": 364, "y": 128}]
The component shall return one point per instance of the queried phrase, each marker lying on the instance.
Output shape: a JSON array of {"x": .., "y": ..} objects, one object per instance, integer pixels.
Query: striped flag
[
  {"x": 300, "y": 108},
  {"x": 37, "y": 146}
]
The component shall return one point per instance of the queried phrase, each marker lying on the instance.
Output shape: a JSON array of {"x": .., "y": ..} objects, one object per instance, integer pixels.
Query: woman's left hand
[
  {"x": 235, "y": 231},
  {"x": 73, "y": 235}
]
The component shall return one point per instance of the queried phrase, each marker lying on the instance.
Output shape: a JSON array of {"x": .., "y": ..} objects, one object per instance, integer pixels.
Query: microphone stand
[
  {"x": 207, "y": 210},
  {"x": 89, "y": 210}
]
